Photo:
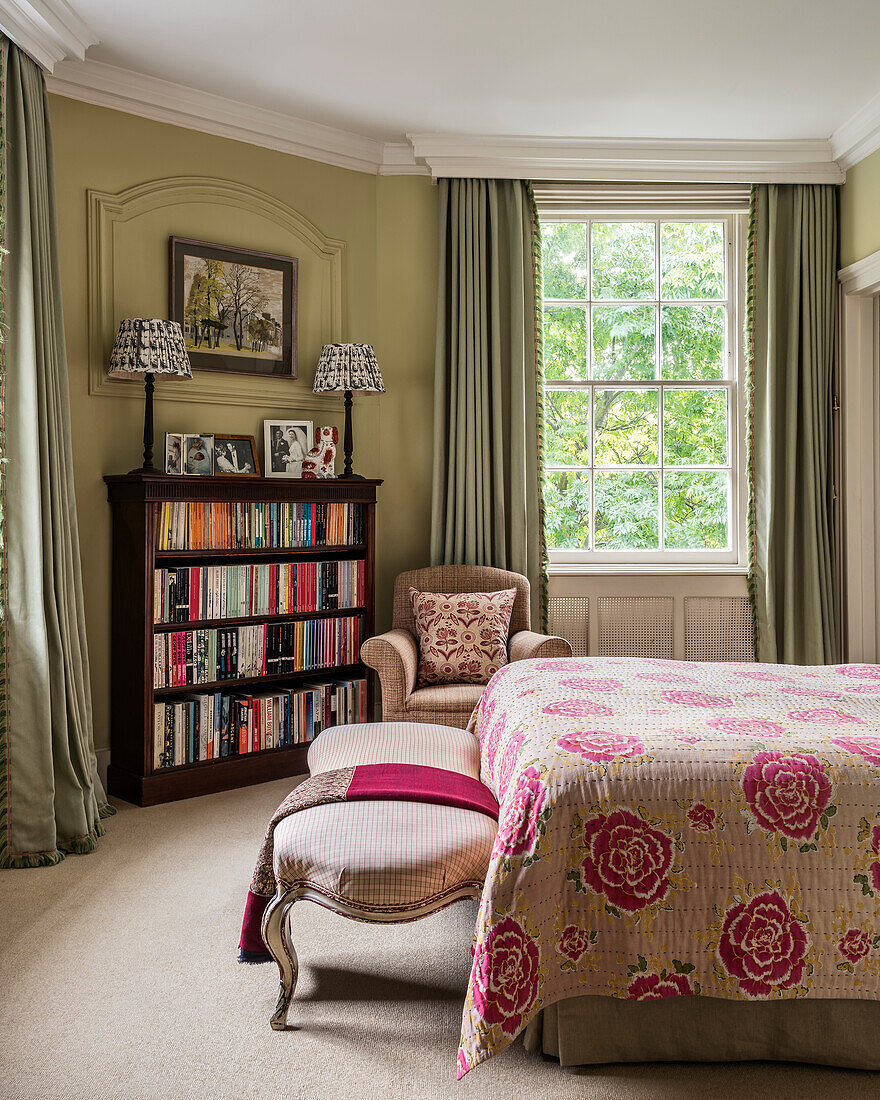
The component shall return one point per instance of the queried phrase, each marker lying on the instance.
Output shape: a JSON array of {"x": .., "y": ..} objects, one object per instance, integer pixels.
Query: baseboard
[{"x": 103, "y": 756}]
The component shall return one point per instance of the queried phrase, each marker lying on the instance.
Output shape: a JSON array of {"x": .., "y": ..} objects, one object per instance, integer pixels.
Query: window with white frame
[{"x": 643, "y": 401}]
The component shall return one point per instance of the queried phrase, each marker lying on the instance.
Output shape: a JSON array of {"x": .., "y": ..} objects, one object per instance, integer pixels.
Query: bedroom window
[{"x": 643, "y": 402}]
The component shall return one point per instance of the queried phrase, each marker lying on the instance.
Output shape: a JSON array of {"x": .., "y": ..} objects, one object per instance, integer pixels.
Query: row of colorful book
[
  {"x": 239, "y": 591},
  {"x": 210, "y": 726},
  {"x": 204, "y": 656},
  {"x": 257, "y": 525}
]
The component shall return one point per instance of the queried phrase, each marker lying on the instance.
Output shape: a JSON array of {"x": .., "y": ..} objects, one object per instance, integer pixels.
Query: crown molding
[
  {"x": 165, "y": 101},
  {"x": 48, "y": 30},
  {"x": 642, "y": 159},
  {"x": 859, "y": 136}
]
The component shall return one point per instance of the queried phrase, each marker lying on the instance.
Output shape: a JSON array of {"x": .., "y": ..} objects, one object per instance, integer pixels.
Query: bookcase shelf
[
  {"x": 135, "y": 501},
  {"x": 201, "y": 624},
  {"x": 282, "y": 553},
  {"x": 336, "y": 671}
]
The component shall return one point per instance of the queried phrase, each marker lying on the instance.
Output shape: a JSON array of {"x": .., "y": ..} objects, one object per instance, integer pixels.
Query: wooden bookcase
[{"x": 135, "y": 500}]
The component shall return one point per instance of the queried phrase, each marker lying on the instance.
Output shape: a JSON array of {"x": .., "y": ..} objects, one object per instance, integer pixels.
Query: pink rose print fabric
[
  {"x": 675, "y": 829},
  {"x": 651, "y": 987},
  {"x": 505, "y": 976},
  {"x": 763, "y": 945},
  {"x": 787, "y": 794},
  {"x": 462, "y": 635},
  {"x": 626, "y": 860},
  {"x": 601, "y": 746}
]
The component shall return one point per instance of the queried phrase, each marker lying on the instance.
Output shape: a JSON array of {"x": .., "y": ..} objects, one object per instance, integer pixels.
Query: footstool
[{"x": 377, "y": 861}]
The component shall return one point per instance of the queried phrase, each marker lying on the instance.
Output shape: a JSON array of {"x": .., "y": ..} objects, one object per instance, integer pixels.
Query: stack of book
[
  {"x": 206, "y": 727},
  {"x": 204, "y": 656},
  {"x": 257, "y": 525},
  {"x": 240, "y": 591}
]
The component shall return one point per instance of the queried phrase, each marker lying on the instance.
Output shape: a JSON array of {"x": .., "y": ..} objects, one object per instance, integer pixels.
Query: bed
[{"x": 702, "y": 835}]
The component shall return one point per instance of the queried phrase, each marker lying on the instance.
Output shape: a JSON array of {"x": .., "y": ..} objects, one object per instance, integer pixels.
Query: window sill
[{"x": 610, "y": 569}]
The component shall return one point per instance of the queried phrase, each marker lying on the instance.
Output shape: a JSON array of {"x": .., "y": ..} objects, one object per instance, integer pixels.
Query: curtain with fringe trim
[
  {"x": 487, "y": 504},
  {"x": 792, "y": 313},
  {"x": 51, "y": 799}
]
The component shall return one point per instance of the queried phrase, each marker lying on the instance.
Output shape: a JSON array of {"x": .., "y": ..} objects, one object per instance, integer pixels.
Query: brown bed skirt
[{"x": 593, "y": 1030}]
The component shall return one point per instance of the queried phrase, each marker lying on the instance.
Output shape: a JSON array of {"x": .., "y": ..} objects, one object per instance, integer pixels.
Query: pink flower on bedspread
[
  {"x": 490, "y": 744},
  {"x": 855, "y": 945},
  {"x": 508, "y": 763},
  {"x": 578, "y": 708},
  {"x": 600, "y": 746},
  {"x": 561, "y": 664},
  {"x": 701, "y": 817},
  {"x": 865, "y": 746},
  {"x": 747, "y": 727},
  {"x": 787, "y": 794},
  {"x": 517, "y": 829},
  {"x": 574, "y": 942},
  {"x": 696, "y": 699},
  {"x": 814, "y": 693},
  {"x": 686, "y": 738},
  {"x": 824, "y": 714},
  {"x": 860, "y": 672},
  {"x": 580, "y": 684},
  {"x": 627, "y": 860},
  {"x": 763, "y": 674},
  {"x": 505, "y": 975},
  {"x": 651, "y": 987},
  {"x": 762, "y": 945}
]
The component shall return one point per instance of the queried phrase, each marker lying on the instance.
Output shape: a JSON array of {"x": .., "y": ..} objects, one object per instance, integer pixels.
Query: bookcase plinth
[{"x": 135, "y": 501}]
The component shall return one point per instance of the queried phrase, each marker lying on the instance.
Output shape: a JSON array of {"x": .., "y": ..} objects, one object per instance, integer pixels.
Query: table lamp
[
  {"x": 149, "y": 346},
  {"x": 348, "y": 367}
]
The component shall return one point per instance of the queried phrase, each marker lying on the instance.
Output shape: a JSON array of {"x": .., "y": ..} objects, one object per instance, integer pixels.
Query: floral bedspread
[{"x": 673, "y": 829}]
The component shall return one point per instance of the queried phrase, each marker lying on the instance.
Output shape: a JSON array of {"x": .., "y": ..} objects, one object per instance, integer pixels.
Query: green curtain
[
  {"x": 792, "y": 267},
  {"x": 51, "y": 799},
  {"x": 487, "y": 505}
]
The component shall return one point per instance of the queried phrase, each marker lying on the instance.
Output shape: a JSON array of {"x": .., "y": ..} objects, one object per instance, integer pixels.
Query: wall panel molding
[{"x": 108, "y": 212}]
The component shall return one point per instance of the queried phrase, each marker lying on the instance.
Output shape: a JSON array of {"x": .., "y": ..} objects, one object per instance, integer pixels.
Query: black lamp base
[
  {"x": 347, "y": 474},
  {"x": 148, "y": 467}
]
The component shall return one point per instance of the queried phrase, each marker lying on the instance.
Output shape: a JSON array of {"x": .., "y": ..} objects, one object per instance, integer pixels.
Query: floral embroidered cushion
[{"x": 462, "y": 635}]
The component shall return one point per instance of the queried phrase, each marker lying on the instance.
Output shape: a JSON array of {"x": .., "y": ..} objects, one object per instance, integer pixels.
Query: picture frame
[
  {"x": 237, "y": 307},
  {"x": 285, "y": 445},
  {"x": 173, "y": 453},
  {"x": 198, "y": 454},
  {"x": 236, "y": 456}
]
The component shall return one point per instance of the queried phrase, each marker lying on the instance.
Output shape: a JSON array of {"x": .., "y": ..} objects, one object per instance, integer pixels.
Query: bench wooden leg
[{"x": 276, "y": 934}]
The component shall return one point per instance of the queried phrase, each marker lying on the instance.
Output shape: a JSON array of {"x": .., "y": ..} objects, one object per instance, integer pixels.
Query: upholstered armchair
[{"x": 395, "y": 654}]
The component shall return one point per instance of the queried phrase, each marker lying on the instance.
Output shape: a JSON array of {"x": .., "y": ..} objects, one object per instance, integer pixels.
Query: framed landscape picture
[{"x": 237, "y": 308}]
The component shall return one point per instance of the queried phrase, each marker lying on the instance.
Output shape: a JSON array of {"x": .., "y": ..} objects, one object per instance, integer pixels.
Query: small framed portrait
[
  {"x": 235, "y": 456},
  {"x": 286, "y": 444},
  {"x": 173, "y": 453},
  {"x": 198, "y": 454}
]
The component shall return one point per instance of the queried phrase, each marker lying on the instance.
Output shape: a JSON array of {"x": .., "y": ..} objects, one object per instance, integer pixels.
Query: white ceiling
[{"x": 675, "y": 69}]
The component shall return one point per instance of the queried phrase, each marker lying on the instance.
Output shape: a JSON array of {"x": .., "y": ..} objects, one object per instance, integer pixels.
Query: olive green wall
[
  {"x": 860, "y": 211},
  {"x": 388, "y": 226}
]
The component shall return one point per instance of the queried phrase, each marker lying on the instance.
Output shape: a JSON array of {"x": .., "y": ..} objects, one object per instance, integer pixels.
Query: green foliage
[
  {"x": 626, "y": 427},
  {"x": 565, "y": 343},
  {"x": 623, "y": 259},
  {"x": 626, "y": 511}
]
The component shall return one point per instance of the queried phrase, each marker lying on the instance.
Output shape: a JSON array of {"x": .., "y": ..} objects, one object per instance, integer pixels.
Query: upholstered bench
[{"x": 384, "y": 861}]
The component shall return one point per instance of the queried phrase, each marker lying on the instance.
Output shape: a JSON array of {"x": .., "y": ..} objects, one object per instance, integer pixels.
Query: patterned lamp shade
[
  {"x": 348, "y": 367},
  {"x": 149, "y": 346}
]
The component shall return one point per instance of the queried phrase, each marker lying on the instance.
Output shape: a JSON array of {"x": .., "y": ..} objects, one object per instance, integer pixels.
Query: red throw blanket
[{"x": 364, "y": 783}]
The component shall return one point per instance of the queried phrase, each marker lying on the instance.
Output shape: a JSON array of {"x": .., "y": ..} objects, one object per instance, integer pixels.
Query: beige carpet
[{"x": 119, "y": 979}]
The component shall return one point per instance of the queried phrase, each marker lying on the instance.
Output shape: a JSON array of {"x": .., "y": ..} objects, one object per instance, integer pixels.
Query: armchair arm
[
  {"x": 395, "y": 656},
  {"x": 526, "y": 644}
]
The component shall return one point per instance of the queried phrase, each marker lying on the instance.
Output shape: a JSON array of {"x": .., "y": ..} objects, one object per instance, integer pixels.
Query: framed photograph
[
  {"x": 198, "y": 454},
  {"x": 237, "y": 308},
  {"x": 173, "y": 453},
  {"x": 235, "y": 456},
  {"x": 286, "y": 443}
]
